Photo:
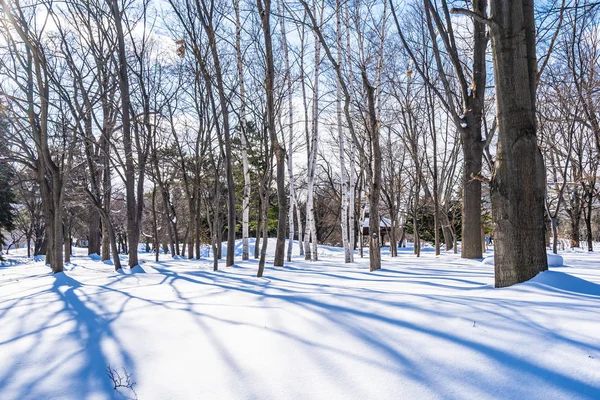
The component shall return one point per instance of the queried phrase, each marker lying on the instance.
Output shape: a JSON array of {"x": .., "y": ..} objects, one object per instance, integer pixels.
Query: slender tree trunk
[
  {"x": 264, "y": 7},
  {"x": 228, "y": 161},
  {"x": 244, "y": 140},
  {"x": 554, "y": 221},
  {"x": 352, "y": 185},
  {"x": 67, "y": 240},
  {"x": 198, "y": 222},
  {"x": 311, "y": 231},
  {"x": 263, "y": 192},
  {"x": 374, "y": 175},
  {"x": 344, "y": 185},
  {"x": 288, "y": 78},
  {"x": 258, "y": 228},
  {"x": 106, "y": 197},
  {"x": 588, "y": 222},
  {"x": 265, "y": 232},
  {"x": 133, "y": 231},
  {"x": 156, "y": 240},
  {"x": 304, "y": 235}
]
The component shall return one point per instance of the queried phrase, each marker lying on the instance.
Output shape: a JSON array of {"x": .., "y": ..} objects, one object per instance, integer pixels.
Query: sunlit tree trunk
[
  {"x": 519, "y": 182},
  {"x": 244, "y": 140}
]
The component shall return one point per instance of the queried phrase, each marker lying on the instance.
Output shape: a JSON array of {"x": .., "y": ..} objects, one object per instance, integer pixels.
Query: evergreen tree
[{"x": 7, "y": 197}]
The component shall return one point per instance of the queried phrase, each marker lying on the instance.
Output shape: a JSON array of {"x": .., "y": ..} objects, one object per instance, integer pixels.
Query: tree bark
[
  {"x": 244, "y": 140},
  {"x": 519, "y": 183},
  {"x": 264, "y": 8}
]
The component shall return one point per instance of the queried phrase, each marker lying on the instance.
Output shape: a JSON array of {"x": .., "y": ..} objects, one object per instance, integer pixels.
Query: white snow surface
[
  {"x": 554, "y": 260},
  {"x": 420, "y": 328}
]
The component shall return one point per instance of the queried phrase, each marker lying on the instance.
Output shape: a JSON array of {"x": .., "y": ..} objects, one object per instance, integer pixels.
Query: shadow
[
  {"x": 336, "y": 320},
  {"x": 361, "y": 324},
  {"x": 67, "y": 370},
  {"x": 563, "y": 282}
]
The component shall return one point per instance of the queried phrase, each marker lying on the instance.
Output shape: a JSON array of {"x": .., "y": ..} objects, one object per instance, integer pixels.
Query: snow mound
[
  {"x": 488, "y": 260},
  {"x": 95, "y": 257},
  {"x": 564, "y": 282},
  {"x": 554, "y": 260},
  {"x": 138, "y": 270}
]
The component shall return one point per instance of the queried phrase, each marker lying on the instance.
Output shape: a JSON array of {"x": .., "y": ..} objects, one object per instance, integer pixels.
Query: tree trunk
[
  {"x": 265, "y": 15},
  {"x": 575, "y": 224},
  {"x": 588, "y": 223},
  {"x": 352, "y": 185},
  {"x": 244, "y": 140},
  {"x": 311, "y": 231},
  {"x": 288, "y": 78},
  {"x": 554, "y": 221},
  {"x": 343, "y": 183},
  {"x": 133, "y": 227},
  {"x": 94, "y": 233},
  {"x": 155, "y": 225},
  {"x": 258, "y": 228},
  {"x": 447, "y": 231},
  {"x": 263, "y": 192},
  {"x": 471, "y": 199},
  {"x": 67, "y": 240},
  {"x": 374, "y": 175},
  {"x": 518, "y": 185}
]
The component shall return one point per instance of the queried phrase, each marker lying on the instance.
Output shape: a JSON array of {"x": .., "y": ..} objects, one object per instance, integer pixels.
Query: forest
[
  {"x": 268, "y": 138},
  {"x": 183, "y": 124}
]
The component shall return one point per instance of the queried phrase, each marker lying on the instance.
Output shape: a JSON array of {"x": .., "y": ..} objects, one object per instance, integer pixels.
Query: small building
[{"x": 385, "y": 228}]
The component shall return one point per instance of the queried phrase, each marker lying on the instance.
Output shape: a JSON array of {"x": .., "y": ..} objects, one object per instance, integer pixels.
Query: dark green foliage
[
  {"x": 7, "y": 197},
  {"x": 425, "y": 222}
]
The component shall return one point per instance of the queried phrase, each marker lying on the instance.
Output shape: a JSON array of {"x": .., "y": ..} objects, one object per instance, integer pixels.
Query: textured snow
[{"x": 420, "y": 328}]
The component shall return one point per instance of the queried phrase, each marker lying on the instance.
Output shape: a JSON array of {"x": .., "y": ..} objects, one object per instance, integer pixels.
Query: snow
[
  {"x": 554, "y": 260},
  {"x": 420, "y": 328}
]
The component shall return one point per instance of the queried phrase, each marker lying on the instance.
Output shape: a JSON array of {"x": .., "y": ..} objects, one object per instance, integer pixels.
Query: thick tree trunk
[
  {"x": 471, "y": 199},
  {"x": 94, "y": 233},
  {"x": 105, "y": 243},
  {"x": 447, "y": 231},
  {"x": 575, "y": 225},
  {"x": 518, "y": 185}
]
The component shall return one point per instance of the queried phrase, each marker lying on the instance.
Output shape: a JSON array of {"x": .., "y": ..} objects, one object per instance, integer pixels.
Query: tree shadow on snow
[
  {"x": 67, "y": 372},
  {"x": 355, "y": 316}
]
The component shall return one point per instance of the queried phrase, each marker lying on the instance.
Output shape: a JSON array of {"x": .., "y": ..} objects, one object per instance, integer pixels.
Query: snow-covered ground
[{"x": 427, "y": 328}]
